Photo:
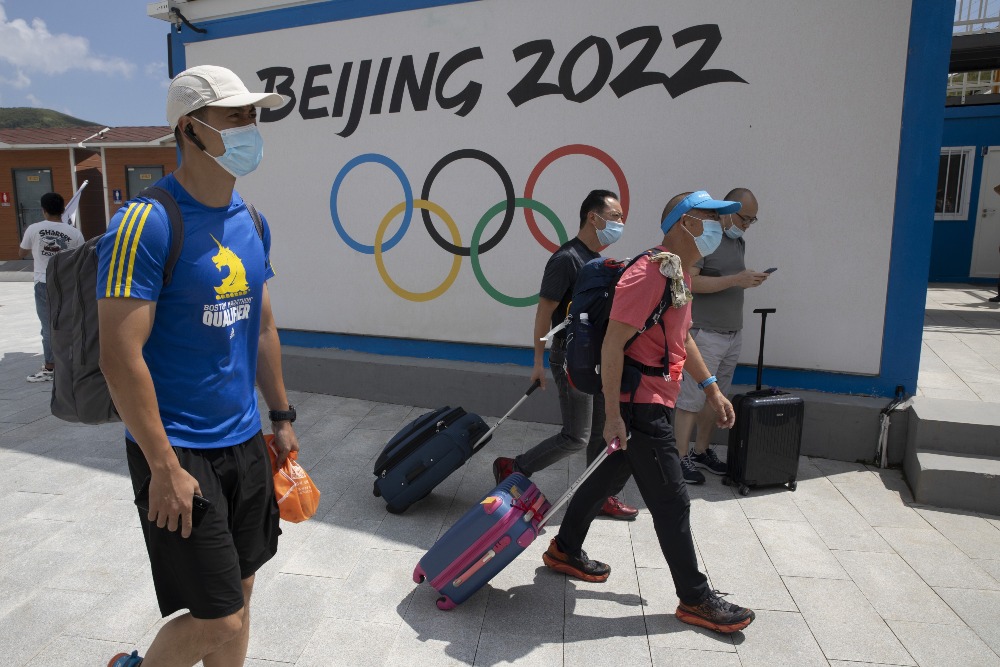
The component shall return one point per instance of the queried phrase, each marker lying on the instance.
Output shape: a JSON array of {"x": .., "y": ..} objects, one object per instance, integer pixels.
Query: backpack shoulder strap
[
  {"x": 665, "y": 301},
  {"x": 169, "y": 204},
  {"x": 257, "y": 222}
]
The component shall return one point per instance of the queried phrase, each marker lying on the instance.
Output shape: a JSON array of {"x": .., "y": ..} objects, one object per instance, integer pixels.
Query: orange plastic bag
[{"x": 297, "y": 496}]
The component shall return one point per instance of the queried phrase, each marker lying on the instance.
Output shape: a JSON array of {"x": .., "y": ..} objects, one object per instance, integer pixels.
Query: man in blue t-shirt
[{"x": 182, "y": 360}]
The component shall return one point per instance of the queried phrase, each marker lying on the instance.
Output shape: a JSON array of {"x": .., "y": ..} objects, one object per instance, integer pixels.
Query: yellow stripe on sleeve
[
  {"x": 135, "y": 244},
  {"x": 114, "y": 252},
  {"x": 118, "y": 288}
]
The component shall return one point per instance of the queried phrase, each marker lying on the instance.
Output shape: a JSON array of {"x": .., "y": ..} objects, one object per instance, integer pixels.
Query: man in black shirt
[{"x": 601, "y": 225}]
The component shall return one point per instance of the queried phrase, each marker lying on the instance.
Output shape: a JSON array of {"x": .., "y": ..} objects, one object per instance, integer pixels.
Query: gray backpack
[{"x": 79, "y": 391}]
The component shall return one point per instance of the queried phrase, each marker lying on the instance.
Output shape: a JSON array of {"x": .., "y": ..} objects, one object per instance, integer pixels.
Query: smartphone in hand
[
  {"x": 199, "y": 505},
  {"x": 771, "y": 270}
]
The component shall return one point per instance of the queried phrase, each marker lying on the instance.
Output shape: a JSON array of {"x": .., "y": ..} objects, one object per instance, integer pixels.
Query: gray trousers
[
  {"x": 582, "y": 419},
  {"x": 42, "y": 309}
]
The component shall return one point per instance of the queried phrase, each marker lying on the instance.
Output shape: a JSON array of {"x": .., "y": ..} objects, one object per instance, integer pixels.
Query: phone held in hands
[
  {"x": 771, "y": 270},
  {"x": 199, "y": 505}
]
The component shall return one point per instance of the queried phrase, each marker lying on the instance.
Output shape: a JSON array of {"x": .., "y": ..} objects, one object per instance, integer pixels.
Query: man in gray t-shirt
[
  {"x": 718, "y": 282},
  {"x": 42, "y": 241}
]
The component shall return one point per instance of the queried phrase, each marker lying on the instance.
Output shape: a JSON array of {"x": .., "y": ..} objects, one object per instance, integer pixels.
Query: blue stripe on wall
[
  {"x": 922, "y": 114},
  {"x": 913, "y": 225},
  {"x": 292, "y": 17},
  {"x": 407, "y": 347}
]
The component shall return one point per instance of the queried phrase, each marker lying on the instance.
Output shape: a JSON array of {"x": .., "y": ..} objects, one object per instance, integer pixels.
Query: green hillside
[{"x": 29, "y": 117}]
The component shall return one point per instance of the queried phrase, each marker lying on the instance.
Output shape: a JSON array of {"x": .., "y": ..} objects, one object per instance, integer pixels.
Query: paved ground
[
  {"x": 845, "y": 571},
  {"x": 961, "y": 350}
]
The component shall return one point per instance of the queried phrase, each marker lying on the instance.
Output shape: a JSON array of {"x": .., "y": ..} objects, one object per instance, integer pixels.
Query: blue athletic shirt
[{"x": 202, "y": 350}]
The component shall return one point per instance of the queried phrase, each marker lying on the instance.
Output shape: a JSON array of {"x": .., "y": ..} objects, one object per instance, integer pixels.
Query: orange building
[{"x": 116, "y": 163}]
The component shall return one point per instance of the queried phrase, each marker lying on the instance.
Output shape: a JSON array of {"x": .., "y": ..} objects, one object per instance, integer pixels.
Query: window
[{"x": 954, "y": 183}]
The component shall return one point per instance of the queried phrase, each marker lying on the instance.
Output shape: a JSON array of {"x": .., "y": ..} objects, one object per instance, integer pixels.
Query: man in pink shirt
[{"x": 640, "y": 390}]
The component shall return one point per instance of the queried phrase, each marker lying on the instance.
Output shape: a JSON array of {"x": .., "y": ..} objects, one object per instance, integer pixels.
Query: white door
[{"x": 986, "y": 243}]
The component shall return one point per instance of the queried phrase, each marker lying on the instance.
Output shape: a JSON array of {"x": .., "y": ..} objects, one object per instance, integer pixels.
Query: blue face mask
[
  {"x": 612, "y": 231},
  {"x": 244, "y": 149},
  {"x": 734, "y": 232},
  {"x": 710, "y": 238}
]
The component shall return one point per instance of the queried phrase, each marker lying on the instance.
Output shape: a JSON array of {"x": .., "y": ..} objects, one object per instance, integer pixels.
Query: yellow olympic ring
[{"x": 456, "y": 263}]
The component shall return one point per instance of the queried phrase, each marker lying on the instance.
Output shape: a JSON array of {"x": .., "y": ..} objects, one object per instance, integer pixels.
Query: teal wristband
[{"x": 707, "y": 381}]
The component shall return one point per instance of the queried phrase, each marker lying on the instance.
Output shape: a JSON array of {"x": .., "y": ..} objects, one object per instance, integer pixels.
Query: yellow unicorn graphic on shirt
[{"x": 235, "y": 284}]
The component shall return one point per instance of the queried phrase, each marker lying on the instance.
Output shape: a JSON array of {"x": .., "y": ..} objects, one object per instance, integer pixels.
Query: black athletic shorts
[{"x": 239, "y": 533}]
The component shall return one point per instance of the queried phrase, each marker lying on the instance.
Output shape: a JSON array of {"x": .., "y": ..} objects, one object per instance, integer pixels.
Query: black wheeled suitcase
[
  {"x": 764, "y": 444},
  {"x": 427, "y": 450}
]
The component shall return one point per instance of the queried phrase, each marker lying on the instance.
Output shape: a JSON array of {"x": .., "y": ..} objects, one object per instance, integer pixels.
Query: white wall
[{"x": 814, "y": 132}]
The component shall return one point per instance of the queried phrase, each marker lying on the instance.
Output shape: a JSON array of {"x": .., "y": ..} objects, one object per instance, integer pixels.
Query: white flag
[{"x": 69, "y": 215}]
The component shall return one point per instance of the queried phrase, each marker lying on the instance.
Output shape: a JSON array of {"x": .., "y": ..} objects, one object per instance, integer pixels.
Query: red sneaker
[
  {"x": 616, "y": 509},
  {"x": 503, "y": 468}
]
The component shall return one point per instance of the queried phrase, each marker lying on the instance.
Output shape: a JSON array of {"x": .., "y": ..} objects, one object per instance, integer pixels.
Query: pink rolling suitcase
[{"x": 491, "y": 535}]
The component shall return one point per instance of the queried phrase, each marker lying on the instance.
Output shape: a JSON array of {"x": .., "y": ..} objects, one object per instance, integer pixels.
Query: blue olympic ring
[{"x": 407, "y": 196}]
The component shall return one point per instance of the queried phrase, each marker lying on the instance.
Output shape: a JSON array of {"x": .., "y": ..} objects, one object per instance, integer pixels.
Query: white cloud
[
  {"x": 20, "y": 81},
  {"x": 32, "y": 47},
  {"x": 156, "y": 70},
  {"x": 35, "y": 102}
]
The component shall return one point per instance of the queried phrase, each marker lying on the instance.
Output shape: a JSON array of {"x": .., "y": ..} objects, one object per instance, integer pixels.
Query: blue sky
[{"x": 101, "y": 61}]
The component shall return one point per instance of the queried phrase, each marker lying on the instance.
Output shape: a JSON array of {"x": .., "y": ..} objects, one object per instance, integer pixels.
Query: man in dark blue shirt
[{"x": 601, "y": 224}]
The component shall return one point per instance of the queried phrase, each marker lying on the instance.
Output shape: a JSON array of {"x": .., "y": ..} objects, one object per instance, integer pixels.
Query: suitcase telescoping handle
[
  {"x": 760, "y": 355},
  {"x": 612, "y": 447},
  {"x": 486, "y": 436}
]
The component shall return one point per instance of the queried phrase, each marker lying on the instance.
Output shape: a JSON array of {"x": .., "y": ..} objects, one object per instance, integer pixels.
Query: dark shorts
[{"x": 204, "y": 572}]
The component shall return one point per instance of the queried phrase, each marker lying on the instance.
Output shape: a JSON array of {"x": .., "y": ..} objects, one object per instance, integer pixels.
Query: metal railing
[
  {"x": 963, "y": 84},
  {"x": 976, "y": 16}
]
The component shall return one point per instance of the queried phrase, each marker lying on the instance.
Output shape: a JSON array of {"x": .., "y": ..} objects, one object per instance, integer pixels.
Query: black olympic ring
[{"x": 508, "y": 186}]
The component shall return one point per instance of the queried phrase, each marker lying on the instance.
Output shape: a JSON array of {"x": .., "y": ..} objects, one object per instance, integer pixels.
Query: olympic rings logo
[{"x": 477, "y": 246}]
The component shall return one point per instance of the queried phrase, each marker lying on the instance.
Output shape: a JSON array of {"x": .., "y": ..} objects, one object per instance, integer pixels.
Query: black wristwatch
[{"x": 282, "y": 415}]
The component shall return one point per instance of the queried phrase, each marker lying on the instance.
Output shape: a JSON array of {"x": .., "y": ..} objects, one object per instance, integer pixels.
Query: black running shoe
[
  {"x": 709, "y": 461},
  {"x": 581, "y": 568},
  {"x": 716, "y": 614},
  {"x": 691, "y": 474}
]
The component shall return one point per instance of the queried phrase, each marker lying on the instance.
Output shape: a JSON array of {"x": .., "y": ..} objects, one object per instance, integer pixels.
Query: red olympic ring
[{"x": 572, "y": 149}]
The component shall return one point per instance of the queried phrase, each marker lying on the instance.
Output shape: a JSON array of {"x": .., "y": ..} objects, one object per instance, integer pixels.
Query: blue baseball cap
[{"x": 700, "y": 199}]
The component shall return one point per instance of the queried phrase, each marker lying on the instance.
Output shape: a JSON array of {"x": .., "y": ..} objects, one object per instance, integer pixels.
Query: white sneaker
[{"x": 44, "y": 375}]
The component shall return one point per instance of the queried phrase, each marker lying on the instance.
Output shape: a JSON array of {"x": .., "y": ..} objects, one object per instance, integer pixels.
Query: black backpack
[
  {"x": 587, "y": 322},
  {"x": 79, "y": 391}
]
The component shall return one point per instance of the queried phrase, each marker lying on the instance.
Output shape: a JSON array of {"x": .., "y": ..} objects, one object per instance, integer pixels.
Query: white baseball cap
[{"x": 212, "y": 86}]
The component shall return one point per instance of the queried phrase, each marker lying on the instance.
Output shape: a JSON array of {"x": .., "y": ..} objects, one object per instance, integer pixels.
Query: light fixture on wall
[{"x": 99, "y": 135}]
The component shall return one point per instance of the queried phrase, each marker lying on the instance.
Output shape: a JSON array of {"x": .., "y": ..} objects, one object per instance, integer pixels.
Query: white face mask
[
  {"x": 733, "y": 231},
  {"x": 612, "y": 231},
  {"x": 709, "y": 239},
  {"x": 244, "y": 148}
]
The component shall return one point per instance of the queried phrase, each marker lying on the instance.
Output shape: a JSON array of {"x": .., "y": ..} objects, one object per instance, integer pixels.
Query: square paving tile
[
  {"x": 844, "y": 623},
  {"x": 979, "y": 611},
  {"x": 933, "y": 645}
]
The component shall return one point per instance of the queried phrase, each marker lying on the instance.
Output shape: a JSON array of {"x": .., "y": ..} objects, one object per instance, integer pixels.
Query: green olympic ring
[{"x": 520, "y": 202}]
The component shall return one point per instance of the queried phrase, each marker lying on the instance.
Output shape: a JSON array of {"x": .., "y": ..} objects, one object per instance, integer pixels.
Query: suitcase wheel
[
  {"x": 395, "y": 510},
  {"x": 418, "y": 574},
  {"x": 375, "y": 491},
  {"x": 744, "y": 490},
  {"x": 726, "y": 481},
  {"x": 444, "y": 603},
  {"x": 792, "y": 486}
]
